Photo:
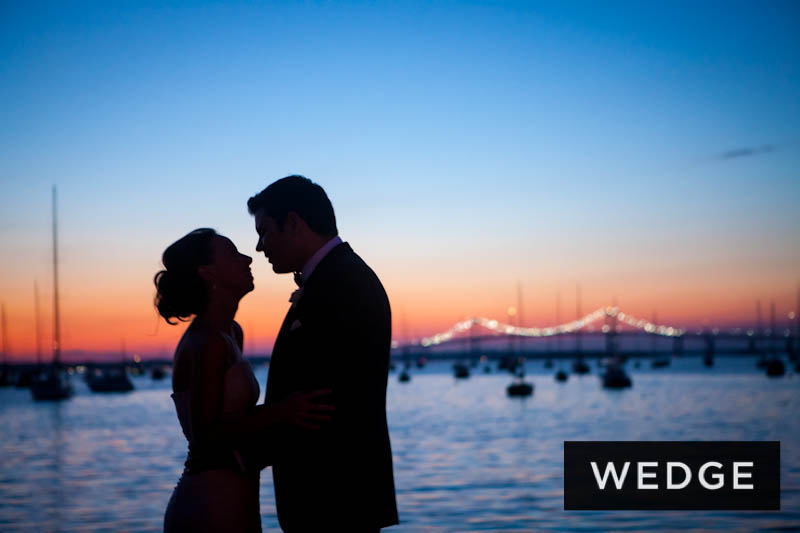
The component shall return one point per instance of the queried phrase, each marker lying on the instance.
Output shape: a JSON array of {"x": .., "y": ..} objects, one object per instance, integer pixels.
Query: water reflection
[
  {"x": 466, "y": 456},
  {"x": 58, "y": 494}
]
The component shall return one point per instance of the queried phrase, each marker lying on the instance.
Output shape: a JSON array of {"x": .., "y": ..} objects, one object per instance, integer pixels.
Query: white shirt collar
[{"x": 312, "y": 263}]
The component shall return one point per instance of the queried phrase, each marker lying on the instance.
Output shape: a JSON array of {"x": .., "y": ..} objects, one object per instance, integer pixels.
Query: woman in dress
[{"x": 214, "y": 388}]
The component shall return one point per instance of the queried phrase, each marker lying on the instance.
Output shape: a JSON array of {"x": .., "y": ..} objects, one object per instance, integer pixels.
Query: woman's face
[{"x": 231, "y": 269}]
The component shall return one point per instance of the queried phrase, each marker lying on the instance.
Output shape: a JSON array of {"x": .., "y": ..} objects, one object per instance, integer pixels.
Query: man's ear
[{"x": 292, "y": 223}]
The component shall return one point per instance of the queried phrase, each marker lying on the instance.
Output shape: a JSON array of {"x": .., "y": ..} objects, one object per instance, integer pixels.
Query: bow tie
[{"x": 298, "y": 278}]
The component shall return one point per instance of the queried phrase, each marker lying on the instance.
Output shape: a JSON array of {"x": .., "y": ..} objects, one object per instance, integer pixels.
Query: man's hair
[{"x": 301, "y": 195}]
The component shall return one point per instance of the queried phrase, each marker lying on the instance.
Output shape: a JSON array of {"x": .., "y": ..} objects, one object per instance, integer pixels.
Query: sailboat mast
[
  {"x": 797, "y": 317},
  {"x": 578, "y": 312},
  {"x": 758, "y": 319},
  {"x": 54, "y": 384},
  {"x": 38, "y": 323},
  {"x": 56, "y": 321},
  {"x": 558, "y": 320},
  {"x": 772, "y": 326},
  {"x": 406, "y": 343},
  {"x": 5, "y": 335},
  {"x": 519, "y": 316}
]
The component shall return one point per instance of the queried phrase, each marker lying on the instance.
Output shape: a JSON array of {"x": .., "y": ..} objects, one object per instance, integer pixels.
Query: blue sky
[{"x": 546, "y": 142}]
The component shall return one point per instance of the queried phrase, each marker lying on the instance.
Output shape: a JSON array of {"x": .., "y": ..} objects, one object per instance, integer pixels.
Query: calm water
[{"x": 466, "y": 457}]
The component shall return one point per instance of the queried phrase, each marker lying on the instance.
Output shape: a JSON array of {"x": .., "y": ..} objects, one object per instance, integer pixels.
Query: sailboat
[
  {"x": 579, "y": 366},
  {"x": 775, "y": 366},
  {"x": 460, "y": 370},
  {"x": 520, "y": 387},
  {"x": 53, "y": 383},
  {"x": 157, "y": 373},
  {"x": 405, "y": 376},
  {"x": 5, "y": 378},
  {"x": 111, "y": 379},
  {"x": 615, "y": 376},
  {"x": 26, "y": 376},
  {"x": 661, "y": 361}
]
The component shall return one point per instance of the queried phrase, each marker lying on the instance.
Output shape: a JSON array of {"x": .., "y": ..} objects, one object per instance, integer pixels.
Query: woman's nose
[{"x": 248, "y": 259}]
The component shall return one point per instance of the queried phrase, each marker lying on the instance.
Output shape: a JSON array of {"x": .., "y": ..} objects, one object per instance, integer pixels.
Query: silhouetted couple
[{"x": 322, "y": 426}]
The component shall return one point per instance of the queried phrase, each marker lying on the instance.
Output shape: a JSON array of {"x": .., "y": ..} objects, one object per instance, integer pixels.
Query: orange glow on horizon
[{"x": 99, "y": 322}]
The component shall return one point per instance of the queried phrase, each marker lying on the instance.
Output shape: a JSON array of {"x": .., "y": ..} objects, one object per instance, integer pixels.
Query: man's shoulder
[
  {"x": 344, "y": 265},
  {"x": 347, "y": 276}
]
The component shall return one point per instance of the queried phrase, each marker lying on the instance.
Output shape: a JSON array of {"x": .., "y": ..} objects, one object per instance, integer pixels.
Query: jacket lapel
[{"x": 280, "y": 360}]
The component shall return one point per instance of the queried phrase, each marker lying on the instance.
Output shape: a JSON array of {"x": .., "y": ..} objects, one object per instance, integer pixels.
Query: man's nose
[{"x": 258, "y": 246}]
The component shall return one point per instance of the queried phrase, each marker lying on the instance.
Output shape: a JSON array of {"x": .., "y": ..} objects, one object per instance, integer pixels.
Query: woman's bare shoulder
[{"x": 196, "y": 346}]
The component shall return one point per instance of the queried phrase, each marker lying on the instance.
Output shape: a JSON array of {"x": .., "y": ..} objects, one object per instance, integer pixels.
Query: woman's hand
[{"x": 300, "y": 410}]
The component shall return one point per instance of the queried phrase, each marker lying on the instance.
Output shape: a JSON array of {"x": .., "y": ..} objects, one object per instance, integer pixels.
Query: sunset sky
[{"x": 650, "y": 153}]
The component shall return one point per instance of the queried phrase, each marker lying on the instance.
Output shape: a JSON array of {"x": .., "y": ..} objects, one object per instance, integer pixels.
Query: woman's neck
[{"x": 219, "y": 314}]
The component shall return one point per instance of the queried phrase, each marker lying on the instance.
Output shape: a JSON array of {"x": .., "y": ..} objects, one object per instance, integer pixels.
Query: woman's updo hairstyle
[{"x": 180, "y": 291}]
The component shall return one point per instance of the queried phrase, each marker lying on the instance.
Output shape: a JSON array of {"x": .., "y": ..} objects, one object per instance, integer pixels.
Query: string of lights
[{"x": 560, "y": 329}]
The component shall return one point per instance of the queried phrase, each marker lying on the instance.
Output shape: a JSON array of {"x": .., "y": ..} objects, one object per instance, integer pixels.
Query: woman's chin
[{"x": 245, "y": 289}]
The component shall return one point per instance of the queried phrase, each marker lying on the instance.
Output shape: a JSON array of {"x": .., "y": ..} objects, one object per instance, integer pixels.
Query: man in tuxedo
[{"x": 336, "y": 335}]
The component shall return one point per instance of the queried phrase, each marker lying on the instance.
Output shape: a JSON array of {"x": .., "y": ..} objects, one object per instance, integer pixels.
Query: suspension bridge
[{"x": 619, "y": 333}]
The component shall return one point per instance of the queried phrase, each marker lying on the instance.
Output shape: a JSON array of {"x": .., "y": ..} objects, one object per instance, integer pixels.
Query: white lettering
[
  {"x": 720, "y": 478},
  {"x": 737, "y": 475},
  {"x": 686, "y": 470},
  {"x": 710, "y": 475},
  {"x": 643, "y": 474},
  {"x": 618, "y": 480}
]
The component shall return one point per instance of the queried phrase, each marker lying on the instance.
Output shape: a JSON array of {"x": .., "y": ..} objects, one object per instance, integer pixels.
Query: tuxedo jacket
[{"x": 337, "y": 336}]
